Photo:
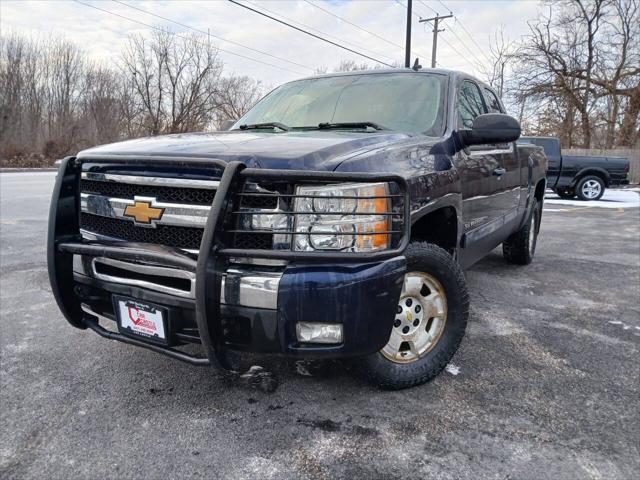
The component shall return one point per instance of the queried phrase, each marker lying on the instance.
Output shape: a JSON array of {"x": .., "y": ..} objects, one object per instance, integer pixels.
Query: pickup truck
[
  {"x": 333, "y": 220},
  {"x": 584, "y": 176}
]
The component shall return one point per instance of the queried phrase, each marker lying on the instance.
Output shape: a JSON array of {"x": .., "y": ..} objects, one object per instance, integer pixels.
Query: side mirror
[
  {"x": 492, "y": 128},
  {"x": 227, "y": 124}
]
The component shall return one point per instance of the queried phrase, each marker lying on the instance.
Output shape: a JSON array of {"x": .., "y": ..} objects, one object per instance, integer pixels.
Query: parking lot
[{"x": 545, "y": 384}]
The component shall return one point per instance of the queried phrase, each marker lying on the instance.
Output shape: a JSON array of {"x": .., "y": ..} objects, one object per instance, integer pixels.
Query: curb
[{"x": 14, "y": 170}]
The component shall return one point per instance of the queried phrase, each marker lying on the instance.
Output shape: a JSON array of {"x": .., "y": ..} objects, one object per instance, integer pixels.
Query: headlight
[{"x": 347, "y": 217}]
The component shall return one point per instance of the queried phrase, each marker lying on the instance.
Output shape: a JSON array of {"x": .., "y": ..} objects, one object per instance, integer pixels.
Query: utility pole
[
  {"x": 407, "y": 53},
  {"x": 435, "y": 21}
]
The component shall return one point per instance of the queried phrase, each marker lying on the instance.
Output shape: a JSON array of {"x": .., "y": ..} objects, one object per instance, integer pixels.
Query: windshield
[{"x": 404, "y": 102}]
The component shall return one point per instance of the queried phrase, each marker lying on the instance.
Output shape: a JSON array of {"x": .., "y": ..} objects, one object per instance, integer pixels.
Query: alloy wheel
[
  {"x": 420, "y": 319},
  {"x": 591, "y": 189}
]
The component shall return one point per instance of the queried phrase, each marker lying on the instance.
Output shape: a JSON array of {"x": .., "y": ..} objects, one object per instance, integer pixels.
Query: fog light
[{"x": 308, "y": 332}]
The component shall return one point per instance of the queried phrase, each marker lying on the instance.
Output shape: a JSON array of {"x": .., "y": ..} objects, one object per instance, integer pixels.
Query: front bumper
[{"x": 223, "y": 300}]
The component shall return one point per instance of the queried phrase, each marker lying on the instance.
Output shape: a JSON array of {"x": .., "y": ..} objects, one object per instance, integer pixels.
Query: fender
[
  {"x": 435, "y": 191},
  {"x": 601, "y": 172}
]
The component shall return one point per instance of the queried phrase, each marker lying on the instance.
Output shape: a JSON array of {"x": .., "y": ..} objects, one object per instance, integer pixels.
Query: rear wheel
[
  {"x": 520, "y": 247},
  {"x": 430, "y": 321},
  {"x": 590, "y": 188}
]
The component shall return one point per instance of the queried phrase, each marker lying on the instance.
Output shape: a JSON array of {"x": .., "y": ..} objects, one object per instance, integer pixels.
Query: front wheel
[
  {"x": 590, "y": 188},
  {"x": 430, "y": 321}
]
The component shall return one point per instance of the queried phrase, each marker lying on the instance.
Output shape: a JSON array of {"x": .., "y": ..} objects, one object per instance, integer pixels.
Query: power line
[
  {"x": 321, "y": 32},
  {"x": 310, "y": 33},
  {"x": 445, "y": 7},
  {"x": 406, "y": 7},
  {"x": 459, "y": 20},
  {"x": 462, "y": 42},
  {"x": 212, "y": 35},
  {"x": 353, "y": 24},
  {"x": 454, "y": 49},
  {"x": 429, "y": 7},
  {"x": 403, "y": 5},
  {"x": 473, "y": 40},
  {"x": 436, "y": 20},
  {"x": 187, "y": 38}
]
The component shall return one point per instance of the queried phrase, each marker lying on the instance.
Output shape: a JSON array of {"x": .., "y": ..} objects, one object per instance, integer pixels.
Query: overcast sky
[{"x": 102, "y": 34}]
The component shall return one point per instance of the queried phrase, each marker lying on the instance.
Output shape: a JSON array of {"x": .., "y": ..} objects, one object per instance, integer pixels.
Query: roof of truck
[
  {"x": 377, "y": 71},
  {"x": 382, "y": 71}
]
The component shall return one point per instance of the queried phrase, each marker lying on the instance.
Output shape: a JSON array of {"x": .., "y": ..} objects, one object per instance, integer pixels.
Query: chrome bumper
[{"x": 241, "y": 285}]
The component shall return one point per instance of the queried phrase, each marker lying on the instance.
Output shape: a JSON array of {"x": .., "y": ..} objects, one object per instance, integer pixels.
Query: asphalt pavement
[{"x": 545, "y": 384}]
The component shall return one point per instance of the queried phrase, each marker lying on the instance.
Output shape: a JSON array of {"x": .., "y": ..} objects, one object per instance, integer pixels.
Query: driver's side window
[{"x": 470, "y": 104}]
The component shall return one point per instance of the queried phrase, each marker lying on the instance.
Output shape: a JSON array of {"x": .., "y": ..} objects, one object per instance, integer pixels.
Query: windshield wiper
[
  {"x": 266, "y": 125},
  {"x": 329, "y": 126}
]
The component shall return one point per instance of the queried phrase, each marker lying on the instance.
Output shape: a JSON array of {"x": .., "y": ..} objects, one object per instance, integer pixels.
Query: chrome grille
[
  {"x": 196, "y": 196},
  {"x": 184, "y": 204},
  {"x": 187, "y": 238}
]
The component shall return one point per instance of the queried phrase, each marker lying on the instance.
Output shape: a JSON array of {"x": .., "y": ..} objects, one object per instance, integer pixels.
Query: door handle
[{"x": 498, "y": 172}]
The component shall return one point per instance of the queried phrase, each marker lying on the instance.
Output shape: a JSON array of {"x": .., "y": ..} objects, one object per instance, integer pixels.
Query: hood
[{"x": 300, "y": 150}]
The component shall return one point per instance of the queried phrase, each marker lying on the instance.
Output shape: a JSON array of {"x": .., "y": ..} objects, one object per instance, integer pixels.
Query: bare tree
[
  {"x": 501, "y": 52},
  {"x": 103, "y": 105},
  {"x": 581, "y": 60},
  {"x": 236, "y": 96},
  {"x": 175, "y": 81}
]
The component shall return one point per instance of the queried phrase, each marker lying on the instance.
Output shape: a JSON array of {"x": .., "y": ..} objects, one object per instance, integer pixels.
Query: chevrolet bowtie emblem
[{"x": 143, "y": 213}]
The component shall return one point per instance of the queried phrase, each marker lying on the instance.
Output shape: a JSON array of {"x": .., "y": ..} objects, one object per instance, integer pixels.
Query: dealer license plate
[{"x": 142, "y": 319}]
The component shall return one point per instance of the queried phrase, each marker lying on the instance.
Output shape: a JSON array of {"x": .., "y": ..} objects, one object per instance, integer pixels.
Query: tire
[
  {"x": 444, "y": 319},
  {"x": 566, "y": 194},
  {"x": 520, "y": 247},
  {"x": 590, "y": 187}
]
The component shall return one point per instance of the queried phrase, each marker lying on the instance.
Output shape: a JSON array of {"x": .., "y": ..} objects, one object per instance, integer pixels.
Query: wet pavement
[{"x": 545, "y": 384}]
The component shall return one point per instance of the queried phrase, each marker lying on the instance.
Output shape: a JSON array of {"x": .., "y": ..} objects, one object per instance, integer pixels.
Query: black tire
[
  {"x": 432, "y": 260},
  {"x": 566, "y": 194},
  {"x": 590, "y": 179},
  {"x": 520, "y": 247}
]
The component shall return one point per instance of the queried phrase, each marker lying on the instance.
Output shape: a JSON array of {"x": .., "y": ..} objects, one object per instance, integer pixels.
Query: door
[
  {"x": 509, "y": 191},
  {"x": 479, "y": 168}
]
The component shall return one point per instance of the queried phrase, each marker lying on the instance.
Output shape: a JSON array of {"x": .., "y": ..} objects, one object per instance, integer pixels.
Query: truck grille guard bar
[{"x": 64, "y": 240}]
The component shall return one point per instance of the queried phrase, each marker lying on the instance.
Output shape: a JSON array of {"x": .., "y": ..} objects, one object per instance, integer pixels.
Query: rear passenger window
[
  {"x": 492, "y": 102},
  {"x": 470, "y": 104}
]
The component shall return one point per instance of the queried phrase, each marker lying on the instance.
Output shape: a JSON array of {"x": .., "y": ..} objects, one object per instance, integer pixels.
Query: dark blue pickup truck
[
  {"x": 584, "y": 176},
  {"x": 333, "y": 220}
]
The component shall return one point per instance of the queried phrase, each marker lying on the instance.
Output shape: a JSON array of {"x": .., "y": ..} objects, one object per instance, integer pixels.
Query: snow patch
[
  {"x": 626, "y": 198},
  {"x": 452, "y": 369}
]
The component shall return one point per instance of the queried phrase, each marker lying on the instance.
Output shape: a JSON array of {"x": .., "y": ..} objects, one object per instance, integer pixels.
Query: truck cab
[{"x": 333, "y": 220}]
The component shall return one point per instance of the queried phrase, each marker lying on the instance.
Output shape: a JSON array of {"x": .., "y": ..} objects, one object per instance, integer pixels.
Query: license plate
[{"x": 141, "y": 319}]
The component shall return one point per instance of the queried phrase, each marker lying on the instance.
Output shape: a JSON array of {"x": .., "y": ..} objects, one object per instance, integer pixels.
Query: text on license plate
[{"x": 142, "y": 319}]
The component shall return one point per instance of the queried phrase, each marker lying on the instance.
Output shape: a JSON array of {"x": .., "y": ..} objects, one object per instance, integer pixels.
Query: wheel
[
  {"x": 520, "y": 247},
  {"x": 566, "y": 194},
  {"x": 590, "y": 188},
  {"x": 430, "y": 322}
]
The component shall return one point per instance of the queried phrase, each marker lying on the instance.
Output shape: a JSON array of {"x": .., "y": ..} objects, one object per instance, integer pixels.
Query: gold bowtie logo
[
  {"x": 142, "y": 212},
  {"x": 409, "y": 317}
]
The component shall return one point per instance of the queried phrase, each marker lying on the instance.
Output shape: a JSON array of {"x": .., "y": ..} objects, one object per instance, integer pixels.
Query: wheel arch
[
  {"x": 595, "y": 171},
  {"x": 541, "y": 186},
  {"x": 446, "y": 219}
]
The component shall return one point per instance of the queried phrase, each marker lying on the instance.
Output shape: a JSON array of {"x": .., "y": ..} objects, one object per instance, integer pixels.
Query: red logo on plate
[{"x": 138, "y": 319}]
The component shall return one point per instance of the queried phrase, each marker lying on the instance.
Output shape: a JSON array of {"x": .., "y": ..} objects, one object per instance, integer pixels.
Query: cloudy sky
[{"x": 373, "y": 27}]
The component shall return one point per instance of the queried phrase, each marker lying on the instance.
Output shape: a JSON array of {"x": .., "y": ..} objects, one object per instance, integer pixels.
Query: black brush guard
[{"x": 64, "y": 241}]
